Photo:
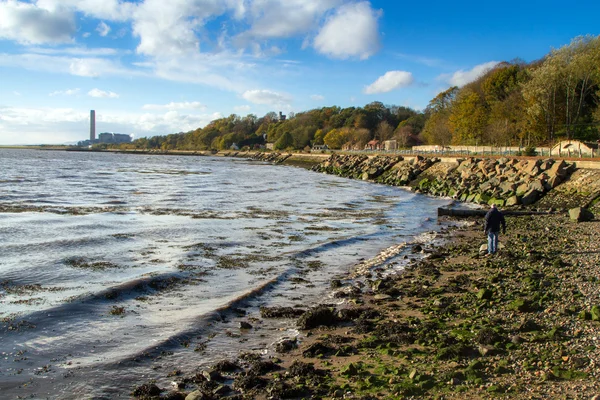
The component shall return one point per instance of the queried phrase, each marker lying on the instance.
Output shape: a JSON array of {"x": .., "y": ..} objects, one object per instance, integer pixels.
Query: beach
[{"x": 521, "y": 324}]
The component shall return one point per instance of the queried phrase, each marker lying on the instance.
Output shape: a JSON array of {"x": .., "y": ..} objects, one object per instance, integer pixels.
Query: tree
[
  {"x": 336, "y": 138},
  {"x": 404, "y": 136},
  {"x": 437, "y": 129},
  {"x": 384, "y": 131},
  {"x": 284, "y": 142},
  {"x": 468, "y": 118}
]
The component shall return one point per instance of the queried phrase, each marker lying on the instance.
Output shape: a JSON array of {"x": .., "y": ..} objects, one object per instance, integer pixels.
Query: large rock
[
  {"x": 512, "y": 201},
  {"x": 580, "y": 214},
  {"x": 537, "y": 185},
  {"x": 319, "y": 316},
  {"x": 530, "y": 197}
]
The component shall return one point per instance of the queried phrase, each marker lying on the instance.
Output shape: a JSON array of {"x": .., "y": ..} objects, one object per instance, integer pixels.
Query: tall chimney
[{"x": 92, "y": 125}]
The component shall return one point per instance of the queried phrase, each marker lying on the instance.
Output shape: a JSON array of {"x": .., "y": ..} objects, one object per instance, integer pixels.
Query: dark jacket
[{"x": 493, "y": 219}]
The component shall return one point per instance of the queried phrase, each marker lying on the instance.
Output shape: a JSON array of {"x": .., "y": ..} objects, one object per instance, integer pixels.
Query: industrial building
[{"x": 105, "y": 137}]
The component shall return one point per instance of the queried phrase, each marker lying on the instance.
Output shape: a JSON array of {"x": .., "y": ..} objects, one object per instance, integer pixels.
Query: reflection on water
[{"x": 114, "y": 265}]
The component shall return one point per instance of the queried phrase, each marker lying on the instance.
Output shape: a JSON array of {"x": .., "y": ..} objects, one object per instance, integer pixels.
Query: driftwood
[{"x": 466, "y": 212}]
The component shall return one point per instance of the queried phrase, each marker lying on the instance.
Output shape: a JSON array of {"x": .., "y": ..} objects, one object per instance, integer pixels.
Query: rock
[
  {"x": 483, "y": 249},
  {"x": 245, "y": 325},
  {"x": 537, "y": 185},
  {"x": 280, "y": 312},
  {"x": 197, "y": 395},
  {"x": 382, "y": 297},
  {"x": 174, "y": 395},
  {"x": 516, "y": 339},
  {"x": 580, "y": 214},
  {"x": 226, "y": 366},
  {"x": 486, "y": 350},
  {"x": 286, "y": 345},
  {"x": 319, "y": 316},
  {"x": 221, "y": 390},
  {"x": 484, "y": 294},
  {"x": 595, "y": 313},
  {"x": 530, "y": 197},
  {"x": 146, "y": 390},
  {"x": 513, "y": 201},
  {"x": 211, "y": 375}
]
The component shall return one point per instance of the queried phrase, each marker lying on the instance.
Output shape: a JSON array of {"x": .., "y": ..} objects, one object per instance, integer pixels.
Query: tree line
[{"x": 513, "y": 104}]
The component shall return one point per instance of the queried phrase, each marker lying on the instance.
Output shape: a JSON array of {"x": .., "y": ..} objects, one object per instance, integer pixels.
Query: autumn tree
[
  {"x": 284, "y": 142},
  {"x": 384, "y": 131},
  {"x": 436, "y": 129},
  {"x": 468, "y": 118}
]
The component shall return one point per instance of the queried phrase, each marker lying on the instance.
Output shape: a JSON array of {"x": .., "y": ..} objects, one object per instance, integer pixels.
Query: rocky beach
[{"x": 524, "y": 323}]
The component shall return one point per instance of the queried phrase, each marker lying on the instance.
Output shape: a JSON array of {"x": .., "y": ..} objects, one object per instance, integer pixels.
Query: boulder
[
  {"x": 559, "y": 168},
  {"x": 319, "y": 316},
  {"x": 580, "y": 214},
  {"x": 537, "y": 185},
  {"x": 530, "y": 197},
  {"x": 552, "y": 182},
  {"x": 512, "y": 201}
]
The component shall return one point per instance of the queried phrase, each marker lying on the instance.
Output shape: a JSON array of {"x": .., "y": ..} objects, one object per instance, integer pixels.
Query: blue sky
[{"x": 157, "y": 67}]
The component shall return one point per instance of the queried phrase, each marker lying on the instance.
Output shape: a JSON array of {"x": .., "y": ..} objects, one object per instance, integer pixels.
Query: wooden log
[{"x": 467, "y": 212}]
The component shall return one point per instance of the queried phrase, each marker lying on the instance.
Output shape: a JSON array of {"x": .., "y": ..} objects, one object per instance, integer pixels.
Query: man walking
[{"x": 493, "y": 220}]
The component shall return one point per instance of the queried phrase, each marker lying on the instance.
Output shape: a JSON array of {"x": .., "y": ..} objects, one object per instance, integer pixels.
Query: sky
[{"x": 154, "y": 67}]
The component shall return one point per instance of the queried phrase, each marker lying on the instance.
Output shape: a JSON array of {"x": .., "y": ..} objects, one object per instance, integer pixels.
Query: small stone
[{"x": 245, "y": 325}]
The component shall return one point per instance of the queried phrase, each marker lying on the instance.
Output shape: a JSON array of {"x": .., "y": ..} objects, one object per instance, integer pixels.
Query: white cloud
[
  {"x": 103, "y": 29},
  {"x": 68, "y": 92},
  {"x": 462, "y": 77},
  {"x": 391, "y": 80},
  {"x": 113, "y": 10},
  {"x": 75, "y": 51},
  {"x": 89, "y": 67},
  {"x": 351, "y": 32},
  {"x": 244, "y": 108},
  {"x": 317, "y": 97},
  {"x": 62, "y": 125},
  {"x": 169, "y": 28},
  {"x": 267, "y": 97},
  {"x": 187, "y": 105},
  {"x": 102, "y": 94},
  {"x": 430, "y": 62},
  {"x": 285, "y": 18},
  {"x": 29, "y": 23}
]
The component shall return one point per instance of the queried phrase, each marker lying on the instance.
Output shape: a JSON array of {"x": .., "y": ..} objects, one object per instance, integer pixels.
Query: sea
[{"x": 123, "y": 269}]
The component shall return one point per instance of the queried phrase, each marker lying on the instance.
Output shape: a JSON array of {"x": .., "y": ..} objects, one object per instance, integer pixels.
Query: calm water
[{"x": 118, "y": 269}]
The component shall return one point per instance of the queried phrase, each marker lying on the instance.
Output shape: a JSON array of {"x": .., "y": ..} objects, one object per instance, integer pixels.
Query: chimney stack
[{"x": 92, "y": 125}]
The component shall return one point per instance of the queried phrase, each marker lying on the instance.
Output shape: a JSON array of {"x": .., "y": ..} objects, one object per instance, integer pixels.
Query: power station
[{"x": 104, "y": 137}]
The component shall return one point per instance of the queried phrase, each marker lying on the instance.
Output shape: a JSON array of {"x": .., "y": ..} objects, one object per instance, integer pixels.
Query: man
[{"x": 493, "y": 220}]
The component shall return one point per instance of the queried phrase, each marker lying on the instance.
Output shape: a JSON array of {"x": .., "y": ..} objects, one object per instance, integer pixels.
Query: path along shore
[{"x": 524, "y": 323}]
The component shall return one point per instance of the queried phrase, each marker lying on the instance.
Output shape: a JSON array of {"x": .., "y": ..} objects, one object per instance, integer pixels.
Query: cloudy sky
[{"x": 153, "y": 67}]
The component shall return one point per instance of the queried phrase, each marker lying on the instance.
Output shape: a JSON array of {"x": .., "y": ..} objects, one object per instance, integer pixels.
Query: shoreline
[{"x": 521, "y": 324}]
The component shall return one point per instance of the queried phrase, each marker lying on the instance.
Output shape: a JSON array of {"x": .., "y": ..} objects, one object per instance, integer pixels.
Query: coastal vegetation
[{"x": 513, "y": 103}]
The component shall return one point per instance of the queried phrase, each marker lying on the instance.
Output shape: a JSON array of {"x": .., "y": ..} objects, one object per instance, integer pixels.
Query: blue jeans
[{"x": 492, "y": 242}]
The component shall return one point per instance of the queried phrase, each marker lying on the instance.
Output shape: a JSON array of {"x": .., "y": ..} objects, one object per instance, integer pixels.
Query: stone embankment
[{"x": 507, "y": 182}]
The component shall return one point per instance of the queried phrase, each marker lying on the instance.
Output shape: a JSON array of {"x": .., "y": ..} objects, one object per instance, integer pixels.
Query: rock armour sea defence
[{"x": 505, "y": 182}]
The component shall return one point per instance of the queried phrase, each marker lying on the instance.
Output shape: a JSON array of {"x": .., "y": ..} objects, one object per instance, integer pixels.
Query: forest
[{"x": 513, "y": 104}]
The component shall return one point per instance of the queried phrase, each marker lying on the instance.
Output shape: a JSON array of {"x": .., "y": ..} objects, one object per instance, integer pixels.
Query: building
[
  {"x": 390, "y": 145},
  {"x": 574, "y": 148},
  {"x": 108, "y": 137},
  {"x": 373, "y": 145},
  {"x": 281, "y": 116}
]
